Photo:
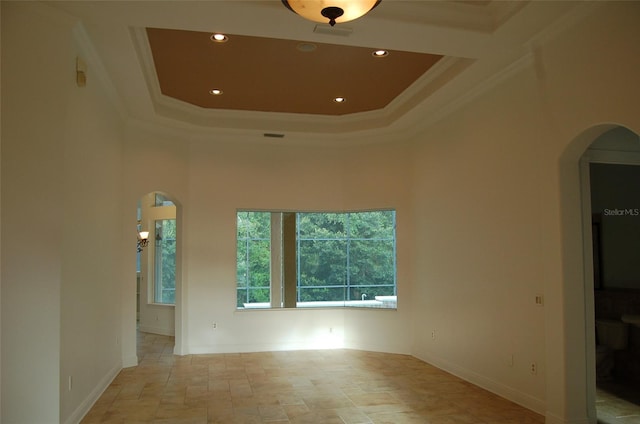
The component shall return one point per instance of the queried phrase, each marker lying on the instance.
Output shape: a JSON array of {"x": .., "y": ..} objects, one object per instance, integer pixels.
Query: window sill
[
  {"x": 315, "y": 308},
  {"x": 381, "y": 302},
  {"x": 162, "y": 305}
]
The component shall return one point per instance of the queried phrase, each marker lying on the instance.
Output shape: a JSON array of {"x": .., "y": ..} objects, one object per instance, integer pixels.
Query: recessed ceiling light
[
  {"x": 380, "y": 53},
  {"x": 339, "y": 100},
  {"x": 306, "y": 47},
  {"x": 215, "y": 92},
  {"x": 219, "y": 38}
]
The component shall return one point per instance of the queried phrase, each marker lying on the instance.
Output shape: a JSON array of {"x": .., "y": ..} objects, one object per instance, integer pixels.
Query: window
[
  {"x": 158, "y": 260},
  {"x": 311, "y": 259},
  {"x": 164, "y": 274},
  {"x": 162, "y": 200},
  {"x": 253, "y": 257}
]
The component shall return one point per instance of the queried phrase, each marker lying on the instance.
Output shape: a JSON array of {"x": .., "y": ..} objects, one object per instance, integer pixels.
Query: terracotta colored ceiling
[{"x": 276, "y": 75}]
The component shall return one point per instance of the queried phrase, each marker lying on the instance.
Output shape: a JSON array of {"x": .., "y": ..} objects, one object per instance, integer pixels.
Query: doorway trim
[
  {"x": 179, "y": 307},
  {"x": 593, "y": 156},
  {"x": 571, "y": 387},
  {"x": 578, "y": 340}
]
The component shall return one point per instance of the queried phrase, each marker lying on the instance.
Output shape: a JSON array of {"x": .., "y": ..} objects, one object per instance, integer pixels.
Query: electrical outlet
[
  {"x": 70, "y": 383},
  {"x": 533, "y": 368},
  {"x": 433, "y": 334},
  {"x": 214, "y": 325},
  {"x": 330, "y": 329}
]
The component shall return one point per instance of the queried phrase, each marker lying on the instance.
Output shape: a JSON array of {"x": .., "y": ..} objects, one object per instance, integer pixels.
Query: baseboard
[
  {"x": 260, "y": 347},
  {"x": 377, "y": 347},
  {"x": 553, "y": 419},
  {"x": 130, "y": 361},
  {"x": 157, "y": 330},
  {"x": 323, "y": 344},
  {"x": 92, "y": 398},
  {"x": 516, "y": 396}
]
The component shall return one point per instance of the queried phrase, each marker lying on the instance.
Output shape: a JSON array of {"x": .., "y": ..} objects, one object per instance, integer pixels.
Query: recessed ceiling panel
[{"x": 275, "y": 75}]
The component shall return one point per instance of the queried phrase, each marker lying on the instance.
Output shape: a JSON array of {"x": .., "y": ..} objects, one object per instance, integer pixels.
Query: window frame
[
  {"x": 157, "y": 289},
  {"x": 278, "y": 287},
  {"x": 151, "y": 214}
]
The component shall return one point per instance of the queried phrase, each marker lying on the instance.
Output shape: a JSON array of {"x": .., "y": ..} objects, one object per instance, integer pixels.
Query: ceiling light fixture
[
  {"x": 380, "y": 53},
  {"x": 143, "y": 238},
  {"x": 219, "y": 38},
  {"x": 306, "y": 47},
  {"x": 333, "y": 10},
  {"x": 215, "y": 92},
  {"x": 339, "y": 99}
]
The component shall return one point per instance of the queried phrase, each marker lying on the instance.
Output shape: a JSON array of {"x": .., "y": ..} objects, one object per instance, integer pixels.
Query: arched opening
[
  {"x": 610, "y": 186},
  {"x": 579, "y": 326},
  {"x": 158, "y": 275}
]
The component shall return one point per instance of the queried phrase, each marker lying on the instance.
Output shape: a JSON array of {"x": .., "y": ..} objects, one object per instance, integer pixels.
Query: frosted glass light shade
[
  {"x": 144, "y": 235},
  {"x": 312, "y": 9}
]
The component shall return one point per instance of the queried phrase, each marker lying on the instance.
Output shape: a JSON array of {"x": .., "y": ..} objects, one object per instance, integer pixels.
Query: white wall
[
  {"x": 478, "y": 246},
  {"x": 62, "y": 185},
  {"x": 31, "y": 270},
  {"x": 213, "y": 178},
  {"x": 0, "y": 225},
  {"x": 488, "y": 217},
  {"x": 497, "y": 218},
  {"x": 91, "y": 268}
]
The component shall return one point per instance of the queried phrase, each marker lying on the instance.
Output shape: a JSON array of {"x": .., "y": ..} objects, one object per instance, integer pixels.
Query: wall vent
[{"x": 329, "y": 30}]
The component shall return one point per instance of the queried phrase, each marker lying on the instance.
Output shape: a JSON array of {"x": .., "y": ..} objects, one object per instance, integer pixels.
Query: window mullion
[
  {"x": 276, "y": 283},
  {"x": 289, "y": 260},
  {"x": 347, "y": 295},
  {"x": 247, "y": 269}
]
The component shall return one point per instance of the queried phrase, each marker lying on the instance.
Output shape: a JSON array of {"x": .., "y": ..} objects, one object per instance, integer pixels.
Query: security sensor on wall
[{"x": 81, "y": 72}]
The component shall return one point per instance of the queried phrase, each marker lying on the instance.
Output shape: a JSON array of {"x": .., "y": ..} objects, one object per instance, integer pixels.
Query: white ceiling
[{"x": 479, "y": 39}]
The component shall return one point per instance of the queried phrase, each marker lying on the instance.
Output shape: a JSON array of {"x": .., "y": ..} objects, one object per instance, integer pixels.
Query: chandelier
[
  {"x": 143, "y": 238},
  {"x": 331, "y": 10}
]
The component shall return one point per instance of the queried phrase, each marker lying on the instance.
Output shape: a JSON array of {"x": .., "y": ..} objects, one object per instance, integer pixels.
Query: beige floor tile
[
  {"x": 295, "y": 410},
  {"x": 631, "y": 419},
  {"x": 290, "y": 398},
  {"x": 407, "y": 417},
  {"x": 219, "y": 415},
  {"x": 353, "y": 416},
  {"x": 310, "y": 387},
  {"x": 271, "y": 413},
  {"x": 327, "y": 416},
  {"x": 374, "y": 399},
  {"x": 176, "y": 412},
  {"x": 327, "y": 401},
  {"x": 130, "y": 409}
]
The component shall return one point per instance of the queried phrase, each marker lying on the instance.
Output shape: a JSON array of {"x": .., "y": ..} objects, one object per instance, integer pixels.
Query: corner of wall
[{"x": 82, "y": 409}]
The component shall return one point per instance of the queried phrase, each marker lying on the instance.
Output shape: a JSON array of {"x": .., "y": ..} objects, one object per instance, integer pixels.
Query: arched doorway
[
  {"x": 578, "y": 339},
  {"x": 610, "y": 189},
  {"x": 158, "y": 267}
]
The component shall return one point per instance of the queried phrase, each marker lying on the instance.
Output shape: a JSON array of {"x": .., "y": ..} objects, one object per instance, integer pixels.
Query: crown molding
[{"x": 442, "y": 72}]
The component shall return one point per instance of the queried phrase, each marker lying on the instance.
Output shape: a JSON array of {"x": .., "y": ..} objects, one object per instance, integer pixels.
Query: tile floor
[
  {"x": 313, "y": 387},
  {"x": 618, "y": 403},
  {"x": 326, "y": 386}
]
